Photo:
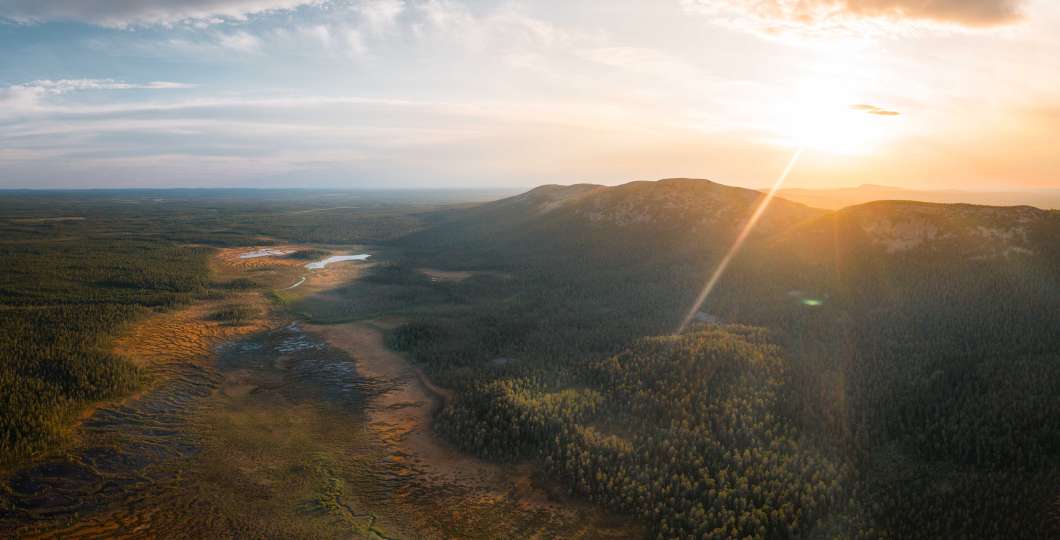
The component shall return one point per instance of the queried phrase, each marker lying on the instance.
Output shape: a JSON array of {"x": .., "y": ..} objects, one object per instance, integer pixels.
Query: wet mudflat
[
  {"x": 210, "y": 451},
  {"x": 129, "y": 451},
  {"x": 275, "y": 440}
]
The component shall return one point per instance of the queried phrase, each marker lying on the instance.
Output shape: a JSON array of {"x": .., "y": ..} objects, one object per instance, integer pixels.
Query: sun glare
[{"x": 828, "y": 118}]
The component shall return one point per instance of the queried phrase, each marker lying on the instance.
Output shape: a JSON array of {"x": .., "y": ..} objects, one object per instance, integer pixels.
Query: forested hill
[
  {"x": 948, "y": 230},
  {"x": 634, "y": 218},
  {"x": 917, "y": 358},
  {"x": 667, "y": 237},
  {"x": 689, "y": 223}
]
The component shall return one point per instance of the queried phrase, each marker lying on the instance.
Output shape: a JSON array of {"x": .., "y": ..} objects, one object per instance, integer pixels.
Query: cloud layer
[
  {"x": 518, "y": 92},
  {"x": 856, "y": 16},
  {"x": 126, "y": 13}
]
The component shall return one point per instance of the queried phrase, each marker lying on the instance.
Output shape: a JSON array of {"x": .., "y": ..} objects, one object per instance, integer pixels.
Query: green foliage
[
  {"x": 278, "y": 297},
  {"x": 308, "y": 254},
  {"x": 60, "y": 304},
  {"x": 235, "y": 314},
  {"x": 684, "y": 431},
  {"x": 241, "y": 284}
]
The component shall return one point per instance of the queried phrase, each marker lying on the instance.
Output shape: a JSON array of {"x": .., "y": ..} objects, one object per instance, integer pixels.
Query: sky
[{"x": 925, "y": 94}]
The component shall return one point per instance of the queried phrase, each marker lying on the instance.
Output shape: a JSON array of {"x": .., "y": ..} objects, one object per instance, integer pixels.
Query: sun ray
[{"x": 719, "y": 271}]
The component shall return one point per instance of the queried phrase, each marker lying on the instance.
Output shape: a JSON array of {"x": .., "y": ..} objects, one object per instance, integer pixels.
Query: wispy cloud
[
  {"x": 128, "y": 13},
  {"x": 28, "y": 97},
  {"x": 642, "y": 61},
  {"x": 63, "y": 86},
  {"x": 501, "y": 29},
  {"x": 240, "y": 41},
  {"x": 858, "y": 17},
  {"x": 237, "y": 138},
  {"x": 380, "y": 16},
  {"x": 872, "y": 109}
]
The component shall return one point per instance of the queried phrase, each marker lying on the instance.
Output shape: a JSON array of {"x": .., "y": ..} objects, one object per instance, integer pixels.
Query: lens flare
[{"x": 738, "y": 243}]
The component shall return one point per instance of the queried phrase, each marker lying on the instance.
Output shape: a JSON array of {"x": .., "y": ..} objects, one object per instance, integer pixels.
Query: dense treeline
[
  {"x": 308, "y": 254},
  {"x": 61, "y": 301},
  {"x": 684, "y": 431},
  {"x": 950, "y": 391},
  {"x": 217, "y": 218},
  {"x": 916, "y": 393}
]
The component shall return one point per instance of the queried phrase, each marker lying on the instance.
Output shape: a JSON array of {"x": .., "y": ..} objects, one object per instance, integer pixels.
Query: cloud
[
  {"x": 380, "y": 16},
  {"x": 63, "y": 86},
  {"x": 872, "y": 109},
  {"x": 642, "y": 61},
  {"x": 505, "y": 28},
  {"x": 830, "y": 17},
  {"x": 19, "y": 98},
  {"x": 240, "y": 41},
  {"x": 355, "y": 43},
  {"x": 128, "y": 13},
  {"x": 185, "y": 140},
  {"x": 27, "y": 97}
]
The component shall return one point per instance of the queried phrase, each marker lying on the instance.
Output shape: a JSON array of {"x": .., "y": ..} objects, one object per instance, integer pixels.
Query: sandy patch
[{"x": 402, "y": 417}]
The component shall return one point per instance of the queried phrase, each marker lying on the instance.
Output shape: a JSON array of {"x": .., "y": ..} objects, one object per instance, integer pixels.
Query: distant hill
[
  {"x": 698, "y": 214},
  {"x": 672, "y": 231},
  {"x": 688, "y": 219},
  {"x": 679, "y": 214},
  {"x": 834, "y": 199}
]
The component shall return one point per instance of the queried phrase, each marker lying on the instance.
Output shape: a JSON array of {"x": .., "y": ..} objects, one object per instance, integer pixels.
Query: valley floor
[{"x": 275, "y": 428}]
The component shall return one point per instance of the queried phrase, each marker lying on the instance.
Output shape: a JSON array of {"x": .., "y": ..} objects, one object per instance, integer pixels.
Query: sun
[{"x": 823, "y": 117}]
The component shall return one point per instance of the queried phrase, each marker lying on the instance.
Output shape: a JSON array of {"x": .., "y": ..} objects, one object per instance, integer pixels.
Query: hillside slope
[
  {"x": 645, "y": 219},
  {"x": 919, "y": 369}
]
